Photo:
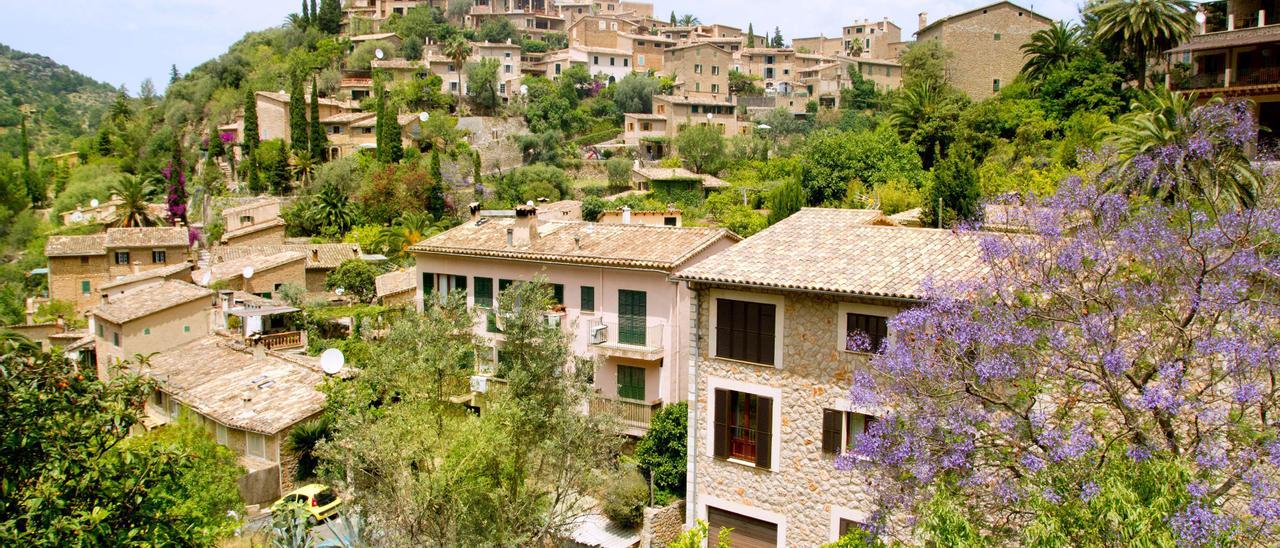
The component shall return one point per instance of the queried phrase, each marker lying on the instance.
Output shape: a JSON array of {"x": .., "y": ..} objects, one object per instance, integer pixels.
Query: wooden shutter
[
  {"x": 632, "y": 311},
  {"x": 721, "y": 425},
  {"x": 764, "y": 432},
  {"x": 745, "y": 331},
  {"x": 765, "y": 315},
  {"x": 831, "y": 420},
  {"x": 630, "y": 382}
]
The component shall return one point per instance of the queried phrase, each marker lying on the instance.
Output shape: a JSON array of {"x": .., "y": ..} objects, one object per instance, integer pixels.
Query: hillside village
[{"x": 570, "y": 272}]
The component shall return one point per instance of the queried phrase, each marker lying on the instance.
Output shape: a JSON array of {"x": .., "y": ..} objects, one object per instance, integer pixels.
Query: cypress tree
[
  {"x": 314, "y": 18},
  {"x": 751, "y": 35},
  {"x": 436, "y": 173},
  {"x": 177, "y": 199},
  {"x": 673, "y": 18},
  {"x": 279, "y": 173},
  {"x": 173, "y": 74},
  {"x": 250, "y": 123},
  {"x": 388, "y": 131},
  {"x": 435, "y": 192},
  {"x": 305, "y": 16},
  {"x": 26, "y": 147},
  {"x": 475, "y": 167},
  {"x": 777, "y": 37},
  {"x": 319, "y": 141},
  {"x": 330, "y": 16},
  {"x": 380, "y": 122},
  {"x": 297, "y": 117}
]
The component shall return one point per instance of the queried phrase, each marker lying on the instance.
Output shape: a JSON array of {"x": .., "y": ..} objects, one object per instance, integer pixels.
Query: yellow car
[{"x": 319, "y": 500}]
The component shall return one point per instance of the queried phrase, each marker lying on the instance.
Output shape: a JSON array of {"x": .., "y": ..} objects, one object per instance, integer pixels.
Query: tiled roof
[
  {"x": 72, "y": 246},
  {"x": 636, "y": 246},
  {"x": 164, "y": 272},
  {"x": 162, "y": 236},
  {"x": 395, "y": 282},
  {"x": 986, "y": 7},
  {"x": 836, "y": 251},
  {"x": 232, "y": 268},
  {"x": 345, "y": 118},
  {"x": 257, "y": 227},
  {"x": 666, "y": 173},
  {"x": 265, "y": 395},
  {"x": 323, "y": 256},
  {"x": 249, "y": 206},
  {"x": 367, "y": 37},
  {"x": 147, "y": 300}
]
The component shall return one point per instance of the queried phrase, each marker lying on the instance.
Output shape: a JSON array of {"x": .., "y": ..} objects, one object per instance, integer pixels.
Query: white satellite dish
[
  {"x": 339, "y": 291},
  {"x": 247, "y": 272},
  {"x": 764, "y": 126},
  {"x": 524, "y": 90},
  {"x": 332, "y": 360},
  {"x": 93, "y": 202},
  {"x": 1200, "y": 17},
  {"x": 378, "y": 53},
  {"x": 424, "y": 116},
  {"x": 710, "y": 116},
  {"x": 77, "y": 217},
  {"x": 208, "y": 277}
]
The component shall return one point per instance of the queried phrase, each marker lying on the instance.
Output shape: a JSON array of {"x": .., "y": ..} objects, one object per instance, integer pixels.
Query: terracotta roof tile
[
  {"x": 164, "y": 272},
  {"x": 164, "y": 236},
  {"x": 835, "y": 250},
  {"x": 265, "y": 395},
  {"x": 232, "y": 268},
  {"x": 321, "y": 256},
  {"x": 71, "y": 246},
  {"x": 392, "y": 283},
  {"x": 257, "y": 227},
  {"x": 248, "y": 206},
  {"x": 147, "y": 300},
  {"x": 635, "y": 246}
]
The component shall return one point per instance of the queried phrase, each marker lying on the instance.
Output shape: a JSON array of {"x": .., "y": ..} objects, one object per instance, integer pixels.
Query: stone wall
[
  {"x": 661, "y": 526},
  {"x": 491, "y": 137},
  {"x": 802, "y": 491},
  {"x": 66, "y": 275},
  {"x": 266, "y": 236},
  {"x": 979, "y": 58}
]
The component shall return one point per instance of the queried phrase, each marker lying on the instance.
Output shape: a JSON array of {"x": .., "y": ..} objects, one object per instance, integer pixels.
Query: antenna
[
  {"x": 331, "y": 361},
  {"x": 247, "y": 272}
]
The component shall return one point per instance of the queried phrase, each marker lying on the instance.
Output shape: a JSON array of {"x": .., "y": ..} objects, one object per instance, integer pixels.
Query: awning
[
  {"x": 1227, "y": 40},
  {"x": 263, "y": 311}
]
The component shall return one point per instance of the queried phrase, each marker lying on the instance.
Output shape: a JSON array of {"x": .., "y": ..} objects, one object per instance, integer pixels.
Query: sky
[{"x": 126, "y": 41}]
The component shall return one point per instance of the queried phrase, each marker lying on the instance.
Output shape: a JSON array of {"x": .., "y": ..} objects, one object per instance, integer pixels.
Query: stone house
[
  {"x": 819, "y": 45},
  {"x": 699, "y": 69},
  {"x": 614, "y": 294},
  {"x": 648, "y": 52},
  {"x": 248, "y": 399},
  {"x": 875, "y": 39},
  {"x": 985, "y": 44},
  {"x": 532, "y": 18},
  {"x": 273, "y": 113},
  {"x": 180, "y": 272},
  {"x": 887, "y": 74},
  {"x": 600, "y": 31},
  {"x": 625, "y": 216},
  {"x": 397, "y": 288},
  {"x": 776, "y": 67},
  {"x": 261, "y": 275},
  {"x": 776, "y": 315},
  {"x": 321, "y": 259},
  {"x": 80, "y": 265},
  {"x": 254, "y": 223},
  {"x": 148, "y": 319}
]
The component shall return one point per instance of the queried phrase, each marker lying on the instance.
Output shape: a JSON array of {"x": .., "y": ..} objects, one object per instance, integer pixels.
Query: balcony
[
  {"x": 1244, "y": 82},
  {"x": 609, "y": 340},
  {"x": 634, "y": 416},
  {"x": 284, "y": 341}
]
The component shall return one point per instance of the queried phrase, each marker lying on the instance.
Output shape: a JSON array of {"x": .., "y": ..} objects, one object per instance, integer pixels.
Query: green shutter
[
  {"x": 484, "y": 292},
  {"x": 631, "y": 316},
  {"x": 588, "y": 299},
  {"x": 84, "y": 286},
  {"x": 630, "y": 382}
]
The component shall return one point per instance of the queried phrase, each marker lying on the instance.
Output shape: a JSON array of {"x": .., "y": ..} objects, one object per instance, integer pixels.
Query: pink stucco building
[{"x": 613, "y": 283}]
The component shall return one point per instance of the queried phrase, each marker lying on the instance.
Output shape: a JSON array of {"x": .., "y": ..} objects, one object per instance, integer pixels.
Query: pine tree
[
  {"x": 777, "y": 38},
  {"x": 174, "y": 75},
  {"x": 104, "y": 142},
  {"x": 751, "y": 35},
  {"x": 250, "y": 122},
  {"x": 319, "y": 141},
  {"x": 330, "y": 16},
  {"x": 954, "y": 186},
  {"x": 297, "y": 117}
]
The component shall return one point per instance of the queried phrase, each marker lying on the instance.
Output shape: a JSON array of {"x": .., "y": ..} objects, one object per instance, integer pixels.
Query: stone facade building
[
  {"x": 267, "y": 274},
  {"x": 80, "y": 265},
  {"x": 148, "y": 319},
  {"x": 874, "y": 39},
  {"x": 774, "y": 364},
  {"x": 985, "y": 44},
  {"x": 699, "y": 69}
]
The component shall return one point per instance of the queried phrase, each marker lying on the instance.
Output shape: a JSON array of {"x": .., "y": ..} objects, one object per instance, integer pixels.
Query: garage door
[{"x": 747, "y": 532}]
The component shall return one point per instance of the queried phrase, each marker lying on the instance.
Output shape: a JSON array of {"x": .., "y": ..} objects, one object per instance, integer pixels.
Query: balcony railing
[
  {"x": 620, "y": 338},
  {"x": 284, "y": 341},
  {"x": 1254, "y": 77},
  {"x": 632, "y": 414}
]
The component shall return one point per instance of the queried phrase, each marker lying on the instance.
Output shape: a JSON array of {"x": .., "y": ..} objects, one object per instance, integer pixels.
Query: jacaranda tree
[{"x": 1110, "y": 380}]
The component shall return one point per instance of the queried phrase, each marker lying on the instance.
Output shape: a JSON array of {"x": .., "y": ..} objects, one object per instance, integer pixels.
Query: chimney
[
  {"x": 474, "y": 207},
  {"x": 525, "y": 230},
  {"x": 924, "y": 20},
  {"x": 315, "y": 254},
  {"x": 136, "y": 267},
  {"x": 61, "y": 324},
  {"x": 626, "y": 215},
  {"x": 105, "y": 298},
  {"x": 259, "y": 351},
  {"x": 31, "y": 310}
]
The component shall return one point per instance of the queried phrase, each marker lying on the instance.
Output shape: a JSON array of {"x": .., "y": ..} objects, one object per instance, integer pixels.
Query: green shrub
[
  {"x": 626, "y": 497},
  {"x": 661, "y": 452},
  {"x": 619, "y": 172}
]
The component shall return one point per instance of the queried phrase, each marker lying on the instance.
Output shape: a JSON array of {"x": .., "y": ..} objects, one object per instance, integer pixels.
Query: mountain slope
[{"x": 63, "y": 103}]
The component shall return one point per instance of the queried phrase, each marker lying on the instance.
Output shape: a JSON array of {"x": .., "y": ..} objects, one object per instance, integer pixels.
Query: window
[
  {"x": 186, "y": 329},
  {"x": 588, "y": 299},
  {"x": 335, "y": 130},
  {"x": 450, "y": 67},
  {"x": 557, "y": 68},
  {"x": 631, "y": 382},
  {"x": 840, "y": 429},
  {"x": 697, "y": 86},
  {"x": 626, "y": 62},
  {"x": 246, "y": 219},
  {"x": 613, "y": 61},
  {"x": 745, "y": 331},
  {"x": 646, "y": 126},
  {"x": 220, "y": 432},
  {"x": 428, "y": 284},
  {"x": 997, "y": 37},
  {"x": 506, "y": 69},
  {"x": 115, "y": 338},
  {"x": 557, "y": 293},
  {"x": 995, "y": 85},
  {"x": 715, "y": 88},
  {"x": 847, "y": 526},
  {"x": 502, "y": 89},
  {"x": 84, "y": 287},
  {"x": 158, "y": 256},
  {"x": 865, "y": 332},
  {"x": 640, "y": 59},
  {"x": 449, "y": 283},
  {"x": 715, "y": 70},
  {"x": 697, "y": 69},
  {"x": 157, "y": 399},
  {"x": 632, "y": 311},
  {"x": 122, "y": 257},
  {"x": 484, "y": 292},
  {"x": 255, "y": 445},
  {"x": 670, "y": 221},
  {"x": 595, "y": 59},
  {"x": 100, "y": 331},
  {"x": 743, "y": 427},
  {"x": 146, "y": 331},
  {"x": 84, "y": 260}
]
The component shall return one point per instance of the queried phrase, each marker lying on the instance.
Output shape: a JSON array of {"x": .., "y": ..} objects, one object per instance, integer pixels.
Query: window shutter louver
[
  {"x": 831, "y": 431},
  {"x": 764, "y": 432},
  {"x": 721, "y": 426}
]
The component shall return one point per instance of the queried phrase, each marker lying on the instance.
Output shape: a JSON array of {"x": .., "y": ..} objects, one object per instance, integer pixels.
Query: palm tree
[
  {"x": 457, "y": 49},
  {"x": 302, "y": 443},
  {"x": 1050, "y": 49},
  {"x": 1163, "y": 121},
  {"x": 330, "y": 207},
  {"x": 302, "y": 165},
  {"x": 408, "y": 230},
  {"x": 1143, "y": 27},
  {"x": 688, "y": 20},
  {"x": 135, "y": 195}
]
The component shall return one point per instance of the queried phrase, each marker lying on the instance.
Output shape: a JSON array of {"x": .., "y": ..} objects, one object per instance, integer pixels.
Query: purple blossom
[
  {"x": 1089, "y": 490},
  {"x": 1197, "y": 525}
]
